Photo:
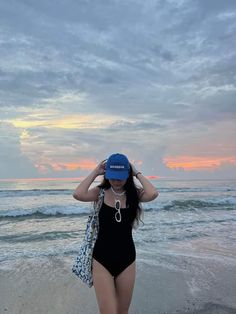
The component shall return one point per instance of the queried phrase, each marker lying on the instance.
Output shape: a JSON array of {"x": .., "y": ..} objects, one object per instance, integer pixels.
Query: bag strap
[{"x": 99, "y": 202}]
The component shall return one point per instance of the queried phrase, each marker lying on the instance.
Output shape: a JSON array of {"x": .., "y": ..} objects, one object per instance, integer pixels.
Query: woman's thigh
[
  {"x": 104, "y": 288},
  {"x": 124, "y": 284}
]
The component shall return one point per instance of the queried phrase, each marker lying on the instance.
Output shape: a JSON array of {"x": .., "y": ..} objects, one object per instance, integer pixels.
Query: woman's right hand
[
  {"x": 83, "y": 192},
  {"x": 100, "y": 169}
]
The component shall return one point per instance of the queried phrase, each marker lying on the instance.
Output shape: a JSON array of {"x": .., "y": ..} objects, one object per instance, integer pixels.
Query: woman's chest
[{"x": 110, "y": 217}]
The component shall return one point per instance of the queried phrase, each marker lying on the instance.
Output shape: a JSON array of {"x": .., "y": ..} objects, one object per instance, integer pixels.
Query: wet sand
[{"x": 47, "y": 286}]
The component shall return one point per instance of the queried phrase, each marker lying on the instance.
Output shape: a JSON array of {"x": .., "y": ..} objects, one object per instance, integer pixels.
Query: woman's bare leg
[
  {"x": 124, "y": 284},
  {"x": 104, "y": 286}
]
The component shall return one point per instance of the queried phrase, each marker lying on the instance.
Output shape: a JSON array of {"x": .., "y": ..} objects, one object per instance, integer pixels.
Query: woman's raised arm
[
  {"x": 148, "y": 192},
  {"x": 82, "y": 192}
]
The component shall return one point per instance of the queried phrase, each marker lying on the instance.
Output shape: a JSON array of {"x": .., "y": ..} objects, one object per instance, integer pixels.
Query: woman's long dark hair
[{"x": 132, "y": 197}]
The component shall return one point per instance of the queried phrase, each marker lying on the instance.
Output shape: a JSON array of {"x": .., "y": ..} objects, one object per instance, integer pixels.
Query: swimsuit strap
[{"x": 98, "y": 204}]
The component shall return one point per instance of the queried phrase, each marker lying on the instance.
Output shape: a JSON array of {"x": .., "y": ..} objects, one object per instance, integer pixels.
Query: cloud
[
  {"x": 189, "y": 163},
  {"x": 84, "y": 47},
  {"x": 13, "y": 162},
  {"x": 148, "y": 78}
]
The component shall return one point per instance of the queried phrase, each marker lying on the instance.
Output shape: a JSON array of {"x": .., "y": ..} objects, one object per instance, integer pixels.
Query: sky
[{"x": 82, "y": 79}]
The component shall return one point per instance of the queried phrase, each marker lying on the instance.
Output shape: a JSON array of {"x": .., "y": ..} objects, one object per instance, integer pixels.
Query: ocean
[{"x": 190, "y": 218}]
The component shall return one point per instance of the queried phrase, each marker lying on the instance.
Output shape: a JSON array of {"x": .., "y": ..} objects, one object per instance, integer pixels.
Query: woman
[{"x": 114, "y": 251}]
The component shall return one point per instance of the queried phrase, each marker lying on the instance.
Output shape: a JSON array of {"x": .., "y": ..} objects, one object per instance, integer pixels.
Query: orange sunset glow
[
  {"x": 70, "y": 166},
  {"x": 86, "y": 165},
  {"x": 189, "y": 163}
]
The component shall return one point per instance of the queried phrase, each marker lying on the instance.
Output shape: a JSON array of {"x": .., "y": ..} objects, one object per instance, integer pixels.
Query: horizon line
[
  {"x": 63, "y": 179},
  {"x": 68, "y": 178},
  {"x": 150, "y": 177}
]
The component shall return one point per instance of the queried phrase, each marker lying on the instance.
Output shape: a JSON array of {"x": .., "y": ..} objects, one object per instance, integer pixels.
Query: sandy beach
[{"x": 47, "y": 286}]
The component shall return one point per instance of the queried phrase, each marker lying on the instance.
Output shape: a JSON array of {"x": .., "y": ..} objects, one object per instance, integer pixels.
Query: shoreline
[{"x": 47, "y": 286}]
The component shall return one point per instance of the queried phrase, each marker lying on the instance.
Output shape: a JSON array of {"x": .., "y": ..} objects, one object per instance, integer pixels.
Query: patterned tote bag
[{"x": 83, "y": 263}]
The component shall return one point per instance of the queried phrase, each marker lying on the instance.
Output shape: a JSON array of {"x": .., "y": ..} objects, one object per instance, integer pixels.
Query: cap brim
[{"x": 116, "y": 175}]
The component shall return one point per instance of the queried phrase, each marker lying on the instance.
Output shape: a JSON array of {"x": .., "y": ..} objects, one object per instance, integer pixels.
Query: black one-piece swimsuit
[{"x": 114, "y": 247}]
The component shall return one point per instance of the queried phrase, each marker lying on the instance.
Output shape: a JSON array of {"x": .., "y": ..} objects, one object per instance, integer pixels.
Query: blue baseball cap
[{"x": 117, "y": 167}]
